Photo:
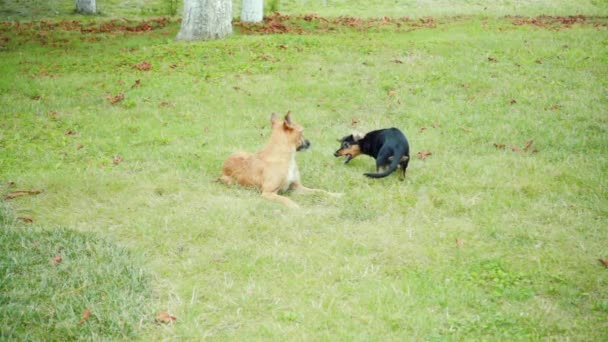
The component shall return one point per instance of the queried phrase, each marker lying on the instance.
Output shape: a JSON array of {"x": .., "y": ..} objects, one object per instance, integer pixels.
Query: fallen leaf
[
  {"x": 164, "y": 104},
  {"x": 56, "y": 260},
  {"x": 500, "y": 146},
  {"x": 459, "y": 243},
  {"x": 398, "y": 61},
  {"x": 422, "y": 155},
  {"x": 173, "y": 66},
  {"x": 493, "y": 59},
  {"x": 165, "y": 317},
  {"x": 79, "y": 146},
  {"x": 136, "y": 84},
  {"x": 392, "y": 93},
  {"x": 19, "y": 193},
  {"x": 117, "y": 159},
  {"x": 603, "y": 261},
  {"x": 515, "y": 149},
  {"x": 26, "y": 219},
  {"x": 528, "y": 145},
  {"x": 422, "y": 129},
  {"x": 512, "y": 101},
  {"x": 70, "y": 132},
  {"x": 85, "y": 316},
  {"x": 115, "y": 99},
  {"x": 143, "y": 66},
  {"x": 354, "y": 122},
  {"x": 538, "y": 61}
]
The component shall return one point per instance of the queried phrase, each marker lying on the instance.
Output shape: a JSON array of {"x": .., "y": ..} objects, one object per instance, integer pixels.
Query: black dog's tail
[{"x": 394, "y": 164}]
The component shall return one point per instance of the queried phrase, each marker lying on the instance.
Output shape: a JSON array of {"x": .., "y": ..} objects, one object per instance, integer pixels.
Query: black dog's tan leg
[{"x": 272, "y": 196}]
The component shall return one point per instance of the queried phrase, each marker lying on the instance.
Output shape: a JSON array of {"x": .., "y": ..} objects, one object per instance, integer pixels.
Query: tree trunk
[
  {"x": 252, "y": 11},
  {"x": 206, "y": 20},
  {"x": 86, "y": 6}
]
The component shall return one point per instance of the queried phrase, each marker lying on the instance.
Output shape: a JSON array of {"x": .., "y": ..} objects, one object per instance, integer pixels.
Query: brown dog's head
[
  {"x": 349, "y": 147},
  {"x": 290, "y": 130}
]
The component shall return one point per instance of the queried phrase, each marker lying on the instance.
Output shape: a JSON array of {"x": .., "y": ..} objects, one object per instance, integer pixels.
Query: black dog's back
[{"x": 389, "y": 147}]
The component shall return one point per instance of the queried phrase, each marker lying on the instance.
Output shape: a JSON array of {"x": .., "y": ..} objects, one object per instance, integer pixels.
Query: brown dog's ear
[
  {"x": 273, "y": 118},
  {"x": 288, "y": 117},
  {"x": 288, "y": 122}
]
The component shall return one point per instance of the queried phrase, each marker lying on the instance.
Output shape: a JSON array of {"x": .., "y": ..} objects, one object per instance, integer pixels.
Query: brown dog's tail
[{"x": 394, "y": 164}]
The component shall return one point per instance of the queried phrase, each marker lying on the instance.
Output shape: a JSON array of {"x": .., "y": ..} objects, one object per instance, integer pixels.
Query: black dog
[{"x": 388, "y": 146}]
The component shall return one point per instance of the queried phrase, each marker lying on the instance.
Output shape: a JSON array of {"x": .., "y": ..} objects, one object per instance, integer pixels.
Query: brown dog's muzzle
[{"x": 304, "y": 144}]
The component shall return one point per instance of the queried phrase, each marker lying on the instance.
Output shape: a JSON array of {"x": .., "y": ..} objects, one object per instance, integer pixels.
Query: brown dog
[{"x": 274, "y": 168}]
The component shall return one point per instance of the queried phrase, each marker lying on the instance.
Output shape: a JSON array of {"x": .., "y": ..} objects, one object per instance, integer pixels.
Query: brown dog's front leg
[
  {"x": 273, "y": 196},
  {"x": 302, "y": 189}
]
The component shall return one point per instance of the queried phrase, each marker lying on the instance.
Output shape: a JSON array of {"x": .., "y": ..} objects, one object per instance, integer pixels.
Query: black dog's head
[{"x": 349, "y": 147}]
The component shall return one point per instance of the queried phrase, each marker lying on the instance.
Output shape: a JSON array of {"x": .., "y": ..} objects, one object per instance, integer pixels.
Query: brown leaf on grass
[
  {"x": 529, "y": 144},
  {"x": 391, "y": 93},
  {"x": 173, "y": 66},
  {"x": 500, "y": 146},
  {"x": 136, "y": 84},
  {"x": 512, "y": 101},
  {"x": 117, "y": 159},
  {"x": 397, "y": 61},
  {"x": 554, "y": 107},
  {"x": 164, "y": 104},
  {"x": 25, "y": 219},
  {"x": 165, "y": 317},
  {"x": 56, "y": 260},
  {"x": 515, "y": 149},
  {"x": 70, "y": 132},
  {"x": 423, "y": 154},
  {"x": 85, "y": 316},
  {"x": 539, "y": 61},
  {"x": 79, "y": 146},
  {"x": 267, "y": 58},
  {"x": 19, "y": 193},
  {"x": 422, "y": 129},
  {"x": 460, "y": 243},
  {"x": 354, "y": 122},
  {"x": 603, "y": 262},
  {"x": 143, "y": 66},
  {"x": 493, "y": 59},
  {"x": 115, "y": 99}
]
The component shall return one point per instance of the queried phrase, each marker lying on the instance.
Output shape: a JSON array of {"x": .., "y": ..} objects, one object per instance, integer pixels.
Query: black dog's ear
[
  {"x": 357, "y": 136},
  {"x": 348, "y": 137}
]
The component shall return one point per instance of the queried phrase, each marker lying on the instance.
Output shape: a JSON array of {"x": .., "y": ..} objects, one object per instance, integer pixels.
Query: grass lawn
[{"x": 496, "y": 234}]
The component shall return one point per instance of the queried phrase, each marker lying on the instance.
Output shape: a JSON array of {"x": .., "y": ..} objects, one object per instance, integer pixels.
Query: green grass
[
  {"x": 478, "y": 243},
  {"x": 46, "y": 300}
]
